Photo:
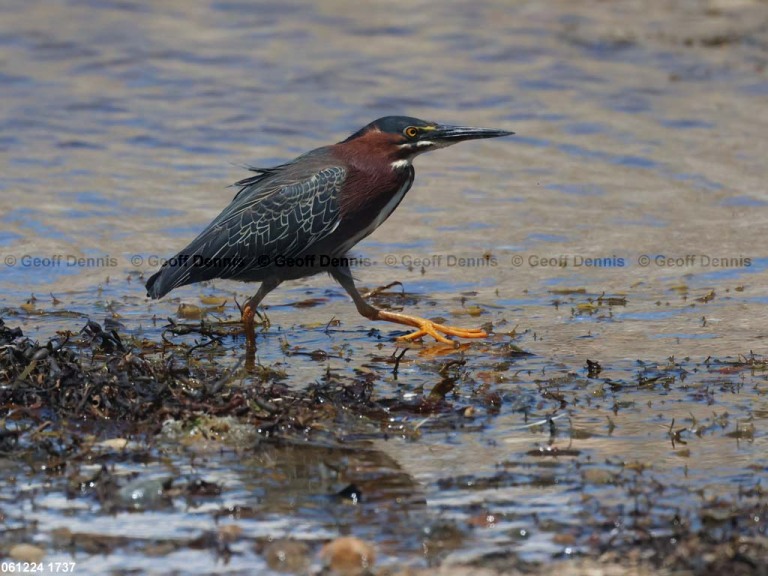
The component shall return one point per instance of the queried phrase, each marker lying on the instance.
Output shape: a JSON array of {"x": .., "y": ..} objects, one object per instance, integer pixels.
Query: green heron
[{"x": 300, "y": 218}]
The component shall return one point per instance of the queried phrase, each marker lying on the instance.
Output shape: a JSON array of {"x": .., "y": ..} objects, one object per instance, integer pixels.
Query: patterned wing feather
[{"x": 274, "y": 219}]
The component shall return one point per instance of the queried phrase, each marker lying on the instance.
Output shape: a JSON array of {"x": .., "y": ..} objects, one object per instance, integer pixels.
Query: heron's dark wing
[
  {"x": 260, "y": 174},
  {"x": 276, "y": 216}
]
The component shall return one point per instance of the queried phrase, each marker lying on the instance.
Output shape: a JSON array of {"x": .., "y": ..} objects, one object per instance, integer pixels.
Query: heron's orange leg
[
  {"x": 423, "y": 326},
  {"x": 249, "y": 311},
  {"x": 248, "y": 323}
]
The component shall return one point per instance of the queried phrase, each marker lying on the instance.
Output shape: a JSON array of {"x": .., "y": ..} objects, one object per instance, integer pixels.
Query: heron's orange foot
[{"x": 429, "y": 328}]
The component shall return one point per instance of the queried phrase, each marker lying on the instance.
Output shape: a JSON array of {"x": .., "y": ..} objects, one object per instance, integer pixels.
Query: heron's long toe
[
  {"x": 428, "y": 328},
  {"x": 433, "y": 329}
]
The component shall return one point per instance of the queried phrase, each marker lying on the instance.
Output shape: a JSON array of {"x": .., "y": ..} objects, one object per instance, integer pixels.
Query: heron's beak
[{"x": 446, "y": 135}]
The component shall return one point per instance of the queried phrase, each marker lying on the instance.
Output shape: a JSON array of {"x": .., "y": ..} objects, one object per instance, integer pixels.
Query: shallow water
[{"x": 637, "y": 173}]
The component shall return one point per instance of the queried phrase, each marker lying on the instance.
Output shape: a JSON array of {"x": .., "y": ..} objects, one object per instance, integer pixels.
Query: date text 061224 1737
[{"x": 11, "y": 567}]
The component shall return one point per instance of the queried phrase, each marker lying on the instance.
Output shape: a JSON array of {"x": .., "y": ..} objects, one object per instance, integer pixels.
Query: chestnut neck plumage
[{"x": 376, "y": 181}]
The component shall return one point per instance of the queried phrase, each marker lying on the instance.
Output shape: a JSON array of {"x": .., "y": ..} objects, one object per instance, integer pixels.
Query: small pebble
[
  {"x": 26, "y": 553},
  {"x": 348, "y": 556},
  {"x": 287, "y": 555},
  {"x": 114, "y": 443}
]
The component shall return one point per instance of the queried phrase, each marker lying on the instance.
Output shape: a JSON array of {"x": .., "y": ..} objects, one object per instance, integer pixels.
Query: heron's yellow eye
[{"x": 411, "y": 132}]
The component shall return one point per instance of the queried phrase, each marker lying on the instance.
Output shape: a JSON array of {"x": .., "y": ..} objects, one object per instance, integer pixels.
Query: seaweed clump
[{"x": 94, "y": 376}]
